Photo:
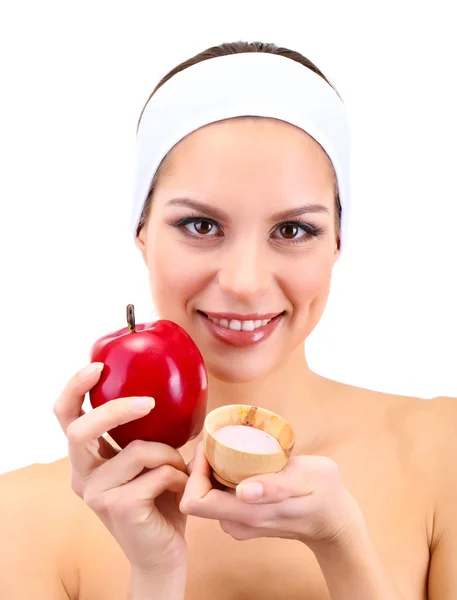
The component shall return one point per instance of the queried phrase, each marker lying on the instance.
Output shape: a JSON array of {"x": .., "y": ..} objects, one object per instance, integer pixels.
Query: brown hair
[{"x": 224, "y": 50}]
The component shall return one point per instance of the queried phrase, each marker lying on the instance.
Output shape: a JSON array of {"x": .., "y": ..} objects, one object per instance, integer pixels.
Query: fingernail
[
  {"x": 250, "y": 491},
  {"x": 141, "y": 404},
  {"x": 91, "y": 369}
]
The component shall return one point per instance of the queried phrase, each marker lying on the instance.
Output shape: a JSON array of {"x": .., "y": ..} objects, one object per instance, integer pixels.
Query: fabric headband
[{"x": 247, "y": 84}]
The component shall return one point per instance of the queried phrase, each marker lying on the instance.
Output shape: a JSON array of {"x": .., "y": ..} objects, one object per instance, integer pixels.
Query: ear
[
  {"x": 141, "y": 243},
  {"x": 337, "y": 251}
]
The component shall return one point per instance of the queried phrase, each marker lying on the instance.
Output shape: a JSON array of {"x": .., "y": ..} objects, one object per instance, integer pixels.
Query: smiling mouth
[{"x": 241, "y": 324}]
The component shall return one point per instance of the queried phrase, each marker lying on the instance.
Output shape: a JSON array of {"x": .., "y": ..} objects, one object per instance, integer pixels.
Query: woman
[{"x": 240, "y": 214}]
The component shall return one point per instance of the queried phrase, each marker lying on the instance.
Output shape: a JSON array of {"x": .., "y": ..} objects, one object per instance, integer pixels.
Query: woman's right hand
[{"x": 135, "y": 491}]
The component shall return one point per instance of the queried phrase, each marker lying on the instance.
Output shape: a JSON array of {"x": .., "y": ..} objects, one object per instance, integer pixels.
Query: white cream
[{"x": 247, "y": 439}]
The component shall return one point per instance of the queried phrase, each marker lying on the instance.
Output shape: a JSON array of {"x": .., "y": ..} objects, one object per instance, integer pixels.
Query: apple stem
[{"x": 131, "y": 318}]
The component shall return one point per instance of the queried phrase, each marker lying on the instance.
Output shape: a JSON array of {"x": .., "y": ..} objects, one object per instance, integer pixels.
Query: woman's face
[{"x": 242, "y": 229}]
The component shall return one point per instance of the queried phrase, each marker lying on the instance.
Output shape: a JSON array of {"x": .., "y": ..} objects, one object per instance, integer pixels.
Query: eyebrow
[{"x": 220, "y": 215}]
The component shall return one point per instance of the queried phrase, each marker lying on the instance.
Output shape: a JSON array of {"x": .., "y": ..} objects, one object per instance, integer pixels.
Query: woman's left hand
[{"x": 306, "y": 501}]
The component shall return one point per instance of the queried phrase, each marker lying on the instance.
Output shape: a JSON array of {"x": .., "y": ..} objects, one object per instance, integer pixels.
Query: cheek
[
  {"x": 166, "y": 271},
  {"x": 173, "y": 274},
  {"x": 310, "y": 294},
  {"x": 313, "y": 280}
]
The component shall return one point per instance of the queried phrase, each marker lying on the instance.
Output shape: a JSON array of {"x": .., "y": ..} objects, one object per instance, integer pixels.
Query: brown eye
[
  {"x": 289, "y": 231},
  {"x": 294, "y": 232},
  {"x": 201, "y": 227}
]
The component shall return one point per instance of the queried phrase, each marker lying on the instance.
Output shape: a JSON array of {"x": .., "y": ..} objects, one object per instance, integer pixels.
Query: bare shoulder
[
  {"x": 38, "y": 490},
  {"x": 430, "y": 424},
  {"x": 43, "y": 477},
  {"x": 50, "y": 539},
  {"x": 425, "y": 427},
  {"x": 34, "y": 509},
  {"x": 438, "y": 417},
  {"x": 407, "y": 412},
  {"x": 436, "y": 434},
  {"x": 423, "y": 433},
  {"x": 52, "y": 545}
]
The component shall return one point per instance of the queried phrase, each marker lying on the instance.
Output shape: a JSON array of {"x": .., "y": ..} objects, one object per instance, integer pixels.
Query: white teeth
[
  {"x": 247, "y": 325},
  {"x": 237, "y": 325}
]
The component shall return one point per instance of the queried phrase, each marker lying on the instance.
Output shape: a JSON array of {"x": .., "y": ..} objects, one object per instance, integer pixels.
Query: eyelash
[{"x": 307, "y": 228}]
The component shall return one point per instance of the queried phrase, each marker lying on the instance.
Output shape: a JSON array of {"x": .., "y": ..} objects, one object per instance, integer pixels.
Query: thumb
[
  {"x": 263, "y": 489},
  {"x": 292, "y": 481}
]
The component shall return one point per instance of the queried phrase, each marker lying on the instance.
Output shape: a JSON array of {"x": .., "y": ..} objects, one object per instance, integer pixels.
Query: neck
[
  {"x": 289, "y": 385},
  {"x": 292, "y": 391}
]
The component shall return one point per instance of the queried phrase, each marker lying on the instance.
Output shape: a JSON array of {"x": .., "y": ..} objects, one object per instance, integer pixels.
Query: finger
[
  {"x": 67, "y": 407},
  {"x": 83, "y": 433},
  {"x": 300, "y": 477},
  {"x": 156, "y": 482},
  {"x": 126, "y": 500},
  {"x": 224, "y": 506},
  {"x": 131, "y": 462},
  {"x": 202, "y": 500},
  {"x": 199, "y": 483},
  {"x": 190, "y": 466}
]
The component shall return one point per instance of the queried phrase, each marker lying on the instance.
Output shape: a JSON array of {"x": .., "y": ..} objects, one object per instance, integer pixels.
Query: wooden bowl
[{"x": 230, "y": 466}]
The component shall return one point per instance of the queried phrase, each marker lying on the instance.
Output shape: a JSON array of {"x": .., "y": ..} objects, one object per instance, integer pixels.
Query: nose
[{"x": 245, "y": 273}]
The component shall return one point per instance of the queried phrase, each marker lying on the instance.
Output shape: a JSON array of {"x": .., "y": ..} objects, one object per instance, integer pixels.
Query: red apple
[{"x": 160, "y": 360}]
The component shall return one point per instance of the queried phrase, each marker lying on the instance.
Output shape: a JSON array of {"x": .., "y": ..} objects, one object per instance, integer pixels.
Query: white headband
[{"x": 250, "y": 83}]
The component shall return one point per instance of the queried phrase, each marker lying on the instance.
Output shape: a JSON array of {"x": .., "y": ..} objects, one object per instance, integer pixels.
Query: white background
[{"x": 74, "y": 78}]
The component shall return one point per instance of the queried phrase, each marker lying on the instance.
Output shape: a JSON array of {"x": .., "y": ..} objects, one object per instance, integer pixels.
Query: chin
[{"x": 240, "y": 369}]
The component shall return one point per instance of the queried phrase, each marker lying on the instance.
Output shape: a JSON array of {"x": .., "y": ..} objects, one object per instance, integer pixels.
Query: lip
[
  {"x": 248, "y": 317},
  {"x": 240, "y": 338}
]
